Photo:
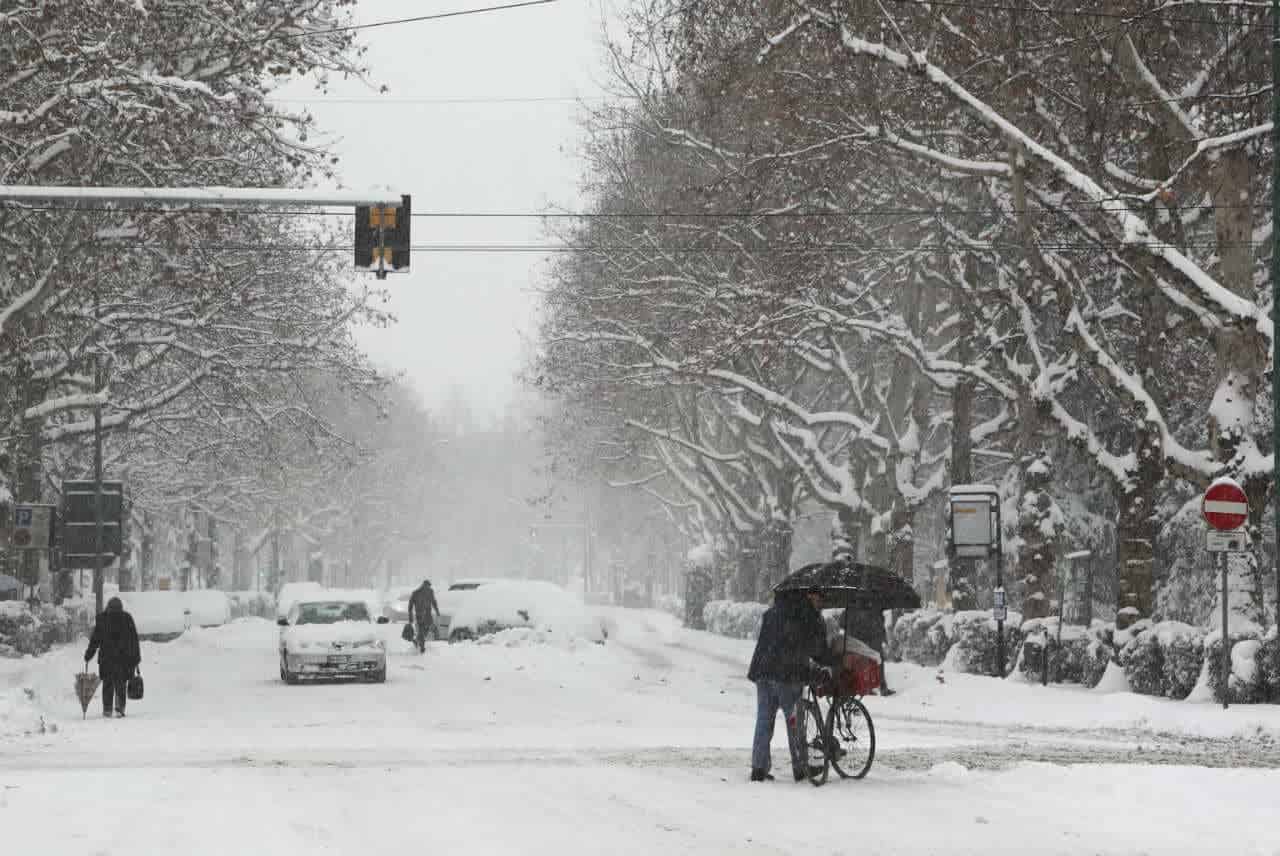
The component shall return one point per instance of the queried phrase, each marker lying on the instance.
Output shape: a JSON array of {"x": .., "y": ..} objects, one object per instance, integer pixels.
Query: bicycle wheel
[
  {"x": 853, "y": 738},
  {"x": 817, "y": 758}
]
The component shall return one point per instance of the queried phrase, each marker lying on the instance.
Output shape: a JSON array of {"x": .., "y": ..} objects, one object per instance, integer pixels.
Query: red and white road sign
[{"x": 1225, "y": 507}]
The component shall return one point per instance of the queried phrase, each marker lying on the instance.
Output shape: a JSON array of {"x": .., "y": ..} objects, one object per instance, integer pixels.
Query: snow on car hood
[{"x": 347, "y": 633}]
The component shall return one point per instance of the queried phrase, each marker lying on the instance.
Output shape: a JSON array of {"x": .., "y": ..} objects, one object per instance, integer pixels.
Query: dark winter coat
[
  {"x": 422, "y": 603},
  {"x": 115, "y": 641},
  {"x": 867, "y": 625},
  {"x": 791, "y": 634}
]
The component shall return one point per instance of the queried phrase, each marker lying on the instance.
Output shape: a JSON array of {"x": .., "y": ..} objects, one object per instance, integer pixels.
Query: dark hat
[{"x": 114, "y": 605}]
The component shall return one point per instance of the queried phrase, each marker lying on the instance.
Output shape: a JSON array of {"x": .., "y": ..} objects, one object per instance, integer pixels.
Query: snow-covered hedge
[
  {"x": 1247, "y": 684},
  {"x": 965, "y": 641},
  {"x": 922, "y": 636},
  {"x": 730, "y": 618},
  {"x": 27, "y": 631},
  {"x": 1079, "y": 657},
  {"x": 1269, "y": 661},
  {"x": 1161, "y": 659},
  {"x": 974, "y": 651}
]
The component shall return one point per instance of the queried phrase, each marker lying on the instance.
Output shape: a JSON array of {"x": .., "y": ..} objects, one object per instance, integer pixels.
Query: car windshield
[{"x": 330, "y": 612}]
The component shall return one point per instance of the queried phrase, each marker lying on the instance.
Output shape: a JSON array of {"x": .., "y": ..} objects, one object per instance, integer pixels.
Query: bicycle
[{"x": 845, "y": 735}]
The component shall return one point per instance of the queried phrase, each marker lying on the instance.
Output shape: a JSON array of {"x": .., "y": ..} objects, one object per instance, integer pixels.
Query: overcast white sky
[{"x": 462, "y": 316}]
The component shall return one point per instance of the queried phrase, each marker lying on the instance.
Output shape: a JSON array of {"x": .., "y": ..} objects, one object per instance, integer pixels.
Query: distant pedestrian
[
  {"x": 423, "y": 610},
  {"x": 791, "y": 647},
  {"x": 868, "y": 626},
  {"x": 115, "y": 640}
]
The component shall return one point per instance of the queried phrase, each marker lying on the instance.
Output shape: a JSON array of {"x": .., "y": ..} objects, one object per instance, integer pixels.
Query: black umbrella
[{"x": 843, "y": 584}]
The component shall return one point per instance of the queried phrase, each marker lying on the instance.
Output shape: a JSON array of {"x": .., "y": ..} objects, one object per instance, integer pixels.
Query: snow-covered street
[{"x": 636, "y": 746}]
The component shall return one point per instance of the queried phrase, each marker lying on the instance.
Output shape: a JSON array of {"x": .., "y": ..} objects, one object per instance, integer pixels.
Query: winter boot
[{"x": 761, "y": 776}]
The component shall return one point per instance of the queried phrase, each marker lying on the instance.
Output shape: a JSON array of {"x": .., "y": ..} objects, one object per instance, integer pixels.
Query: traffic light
[{"x": 382, "y": 237}]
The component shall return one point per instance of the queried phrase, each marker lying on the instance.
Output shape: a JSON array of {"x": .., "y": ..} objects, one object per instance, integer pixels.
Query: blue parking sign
[{"x": 23, "y": 517}]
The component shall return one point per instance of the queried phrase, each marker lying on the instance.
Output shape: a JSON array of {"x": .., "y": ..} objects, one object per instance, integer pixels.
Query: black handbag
[
  {"x": 133, "y": 687},
  {"x": 407, "y": 633}
]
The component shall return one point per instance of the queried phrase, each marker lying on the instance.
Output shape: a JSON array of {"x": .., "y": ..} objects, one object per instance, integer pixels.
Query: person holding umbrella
[
  {"x": 115, "y": 640},
  {"x": 792, "y": 645}
]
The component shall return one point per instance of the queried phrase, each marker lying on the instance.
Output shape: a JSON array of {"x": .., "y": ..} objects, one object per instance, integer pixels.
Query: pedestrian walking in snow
[
  {"x": 792, "y": 646},
  {"x": 423, "y": 610},
  {"x": 115, "y": 641},
  {"x": 868, "y": 626}
]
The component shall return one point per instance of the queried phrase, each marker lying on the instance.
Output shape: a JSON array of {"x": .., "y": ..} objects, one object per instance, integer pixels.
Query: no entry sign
[{"x": 1225, "y": 507}]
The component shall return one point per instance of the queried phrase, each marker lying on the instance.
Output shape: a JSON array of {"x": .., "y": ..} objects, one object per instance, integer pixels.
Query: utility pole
[{"x": 97, "y": 470}]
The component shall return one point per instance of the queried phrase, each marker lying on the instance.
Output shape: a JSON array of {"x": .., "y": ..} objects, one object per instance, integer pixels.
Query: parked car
[
  {"x": 451, "y": 598},
  {"x": 502, "y": 604},
  {"x": 331, "y": 638}
]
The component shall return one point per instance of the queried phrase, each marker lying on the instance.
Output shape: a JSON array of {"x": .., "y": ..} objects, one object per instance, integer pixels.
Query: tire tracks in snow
[{"x": 985, "y": 756}]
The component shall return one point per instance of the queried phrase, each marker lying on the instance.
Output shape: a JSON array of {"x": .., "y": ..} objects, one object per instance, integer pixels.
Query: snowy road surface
[{"x": 638, "y": 746}]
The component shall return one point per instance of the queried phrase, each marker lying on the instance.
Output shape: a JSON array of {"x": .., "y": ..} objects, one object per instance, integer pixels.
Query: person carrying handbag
[{"x": 115, "y": 641}]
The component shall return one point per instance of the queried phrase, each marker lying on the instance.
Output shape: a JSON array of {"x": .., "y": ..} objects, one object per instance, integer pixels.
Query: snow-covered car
[
  {"x": 502, "y": 604},
  {"x": 396, "y": 607},
  {"x": 291, "y": 593},
  {"x": 331, "y": 638},
  {"x": 451, "y": 598}
]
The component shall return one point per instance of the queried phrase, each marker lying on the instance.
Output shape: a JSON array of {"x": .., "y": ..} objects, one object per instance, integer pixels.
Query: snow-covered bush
[
  {"x": 1142, "y": 658},
  {"x": 1162, "y": 659},
  {"x": 27, "y": 631},
  {"x": 1247, "y": 682},
  {"x": 975, "y": 648},
  {"x": 1070, "y": 656},
  {"x": 922, "y": 637},
  {"x": 1269, "y": 661},
  {"x": 730, "y": 618},
  {"x": 1098, "y": 654}
]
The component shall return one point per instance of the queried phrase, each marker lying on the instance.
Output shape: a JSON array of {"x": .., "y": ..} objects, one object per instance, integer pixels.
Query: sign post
[
  {"x": 975, "y": 534},
  {"x": 32, "y": 527},
  {"x": 1226, "y": 509}
]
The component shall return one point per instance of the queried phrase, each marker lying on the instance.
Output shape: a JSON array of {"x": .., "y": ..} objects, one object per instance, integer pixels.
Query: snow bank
[
  {"x": 21, "y": 716},
  {"x": 524, "y": 603}
]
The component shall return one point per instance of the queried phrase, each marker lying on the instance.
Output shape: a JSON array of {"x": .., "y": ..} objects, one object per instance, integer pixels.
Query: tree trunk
[
  {"x": 777, "y": 558},
  {"x": 1039, "y": 524},
  {"x": 1136, "y": 528},
  {"x": 1242, "y": 359},
  {"x": 961, "y": 582},
  {"x": 844, "y": 535}
]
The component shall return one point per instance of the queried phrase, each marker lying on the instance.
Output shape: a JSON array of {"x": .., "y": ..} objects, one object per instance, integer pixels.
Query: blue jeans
[{"x": 770, "y": 697}]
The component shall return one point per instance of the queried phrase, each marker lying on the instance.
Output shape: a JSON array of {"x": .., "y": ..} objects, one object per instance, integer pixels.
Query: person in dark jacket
[
  {"x": 115, "y": 641},
  {"x": 423, "y": 610},
  {"x": 868, "y": 625},
  {"x": 792, "y": 646}
]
